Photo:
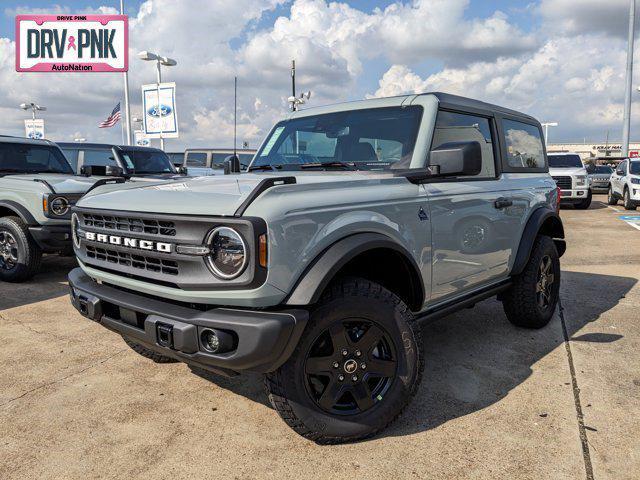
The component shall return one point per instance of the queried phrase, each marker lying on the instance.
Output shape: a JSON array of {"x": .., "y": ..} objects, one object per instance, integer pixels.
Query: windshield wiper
[
  {"x": 268, "y": 166},
  {"x": 348, "y": 166}
]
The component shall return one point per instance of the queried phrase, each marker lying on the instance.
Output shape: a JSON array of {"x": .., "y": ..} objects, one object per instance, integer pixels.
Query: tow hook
[{"x": 164, "y": 333}]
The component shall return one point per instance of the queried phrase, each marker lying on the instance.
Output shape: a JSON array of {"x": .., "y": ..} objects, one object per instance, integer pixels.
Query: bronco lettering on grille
[{"x": 129, "y": 242}]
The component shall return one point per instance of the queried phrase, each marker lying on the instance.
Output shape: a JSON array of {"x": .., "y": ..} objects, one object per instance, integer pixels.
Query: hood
[
  {"x": 567, "y": 171},
  {"x": 211, "y": 195},
  {"x": 61, "y": 183}
]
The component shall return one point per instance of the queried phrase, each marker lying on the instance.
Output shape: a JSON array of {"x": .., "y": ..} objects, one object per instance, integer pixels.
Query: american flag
[{"x": 111, "y": 119}]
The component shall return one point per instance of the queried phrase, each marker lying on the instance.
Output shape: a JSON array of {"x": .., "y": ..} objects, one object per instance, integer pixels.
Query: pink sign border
[{"x": 96, "y": 67}]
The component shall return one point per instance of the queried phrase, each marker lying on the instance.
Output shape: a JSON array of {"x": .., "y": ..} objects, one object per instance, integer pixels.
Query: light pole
[
  {"x": 626, "y": 125},
  {"x": 160, "y": 60},
  {"x": 546, "y": 131},
  {"x": 125, "y": 77},
  {"x": 34, "y": 107}
]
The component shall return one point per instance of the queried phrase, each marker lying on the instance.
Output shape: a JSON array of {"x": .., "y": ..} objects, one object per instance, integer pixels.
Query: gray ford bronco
[
  {"x": 356, "y": 223},
  {"x": 37, "y": 190}
]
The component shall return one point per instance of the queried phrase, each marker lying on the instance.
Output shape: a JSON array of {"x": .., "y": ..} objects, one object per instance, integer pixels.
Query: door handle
[{"x": 502, "y": 203}]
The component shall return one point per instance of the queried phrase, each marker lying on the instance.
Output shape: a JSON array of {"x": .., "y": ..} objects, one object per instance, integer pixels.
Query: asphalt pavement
[{"x": 495, "y": 402}]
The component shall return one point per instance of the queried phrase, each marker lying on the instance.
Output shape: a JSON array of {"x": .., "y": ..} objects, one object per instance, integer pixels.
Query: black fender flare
[
  {"x": 542, "y": 221},
  {"x": 319, "y": 274},
  {"x": 21, "y": 211}
]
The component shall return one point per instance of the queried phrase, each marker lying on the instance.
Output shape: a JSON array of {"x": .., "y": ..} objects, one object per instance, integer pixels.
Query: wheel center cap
[{"x": 350, "y": 366}]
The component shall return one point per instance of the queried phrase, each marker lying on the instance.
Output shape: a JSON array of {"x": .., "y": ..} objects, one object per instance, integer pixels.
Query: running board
[{"x": 460, "y": 303}]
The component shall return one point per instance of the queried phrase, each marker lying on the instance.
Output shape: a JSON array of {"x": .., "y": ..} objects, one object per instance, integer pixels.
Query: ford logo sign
[
  {"x": 154, "y": 111},
  {"x": 35, "y": 135}
]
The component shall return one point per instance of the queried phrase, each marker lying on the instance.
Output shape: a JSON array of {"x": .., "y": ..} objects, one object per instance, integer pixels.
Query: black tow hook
[{"x": 164, "y": 333}]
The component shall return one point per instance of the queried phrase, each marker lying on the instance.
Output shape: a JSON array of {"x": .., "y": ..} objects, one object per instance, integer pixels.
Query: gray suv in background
[
  {"x": 210, "y": 161},
  {"x": 355, "y": 223}
]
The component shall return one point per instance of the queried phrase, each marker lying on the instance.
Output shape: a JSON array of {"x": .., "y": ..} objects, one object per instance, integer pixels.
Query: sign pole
[
  {"x": 629, "y": 82},
  {"x": 159, "y": 105},
  {"x": 125, "y": 76}
]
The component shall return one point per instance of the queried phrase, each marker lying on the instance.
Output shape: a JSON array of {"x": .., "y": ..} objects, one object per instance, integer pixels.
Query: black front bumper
[
  {"x": 52, "y": 238},
  {"x": 264, "y": 339}
]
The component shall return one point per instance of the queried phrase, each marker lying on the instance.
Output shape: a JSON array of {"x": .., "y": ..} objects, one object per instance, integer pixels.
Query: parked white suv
[
  {"x": 570, "y": 176},
  {"x": 625, "y": 184}
]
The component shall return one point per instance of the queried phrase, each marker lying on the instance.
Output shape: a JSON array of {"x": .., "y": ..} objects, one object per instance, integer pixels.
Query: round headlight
[
  {"x": 74, "y": 230},
  {"x": 59, "y": 206},
  {"x": 228, "y": 253}
]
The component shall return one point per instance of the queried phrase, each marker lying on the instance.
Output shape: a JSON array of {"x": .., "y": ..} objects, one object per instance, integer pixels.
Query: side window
[
  {"x": 524, "y": 145},
  {"x": 459, "y": 127},
  {"x": 100, "y": 158},
  {"x": 196, "y": 159}
]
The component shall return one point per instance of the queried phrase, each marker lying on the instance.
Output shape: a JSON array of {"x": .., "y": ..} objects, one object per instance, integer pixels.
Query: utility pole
[
  {"x": 235, "y": 115},
  {"x": 626, "y": 127},
  {"x": 125, "y": 76}
]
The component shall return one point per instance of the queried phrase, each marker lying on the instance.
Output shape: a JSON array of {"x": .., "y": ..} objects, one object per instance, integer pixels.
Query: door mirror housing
[
  {"x": 102, "y": 170},
  {"x": 457, "y": 159},
  {"x": 231, "y": 164},
  {"x": 182, "y": 170}
]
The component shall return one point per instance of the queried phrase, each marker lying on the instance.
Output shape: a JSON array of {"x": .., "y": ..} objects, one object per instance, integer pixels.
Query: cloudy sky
[{"x": 559, "y": 60}]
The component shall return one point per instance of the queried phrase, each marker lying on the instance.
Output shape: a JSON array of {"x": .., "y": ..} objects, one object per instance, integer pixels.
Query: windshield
[
  {"x": 565, "y": 161},
  {"x": 143, "y": 162},
  {"x": 19, "y": 158},
  {"x": 373, "y": 139},
  {"x": 176, "y": 158},
  {"x": 603, "y": 170},
  {"x": 634, "y": 168}
]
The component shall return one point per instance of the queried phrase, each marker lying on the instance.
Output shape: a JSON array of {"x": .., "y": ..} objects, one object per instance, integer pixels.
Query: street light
[
  {"x": 34, "y": 107},
  {"x": 160, "y": 60},
  {"x": 546, "y": 130}
]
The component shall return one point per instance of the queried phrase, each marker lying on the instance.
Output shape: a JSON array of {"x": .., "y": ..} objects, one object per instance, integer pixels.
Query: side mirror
[
  {"x": 231, "y": 164},
  {"x": 113, "y": 171},
  {"x": 457, "y": 159},
  {"x": 182, "y": 170}
]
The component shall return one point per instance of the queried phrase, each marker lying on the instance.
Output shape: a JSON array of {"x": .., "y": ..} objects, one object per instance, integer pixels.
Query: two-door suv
[
  {"x": 37, "y": 190},
  {"x": 355, "y": 223}
]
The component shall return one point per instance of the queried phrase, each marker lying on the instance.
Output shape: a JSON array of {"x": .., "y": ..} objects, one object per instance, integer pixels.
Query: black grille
[
  {"x": 563, "y": 182},
  {"x": 142, "y": 262},
  {"x": 127, "y": 224}
]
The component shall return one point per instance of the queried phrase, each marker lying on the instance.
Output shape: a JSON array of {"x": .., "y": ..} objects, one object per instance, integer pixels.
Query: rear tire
[
  {"x": 531, "y": 301},
  {"x": 586, "y": 203},
  {"x": 20, "y": 255},
  {"x": 150, "y": 354},
  {"x": 611, "y": 198},
  {"x": 628, "y": 203},
  {"x": 323, "y": 392}
]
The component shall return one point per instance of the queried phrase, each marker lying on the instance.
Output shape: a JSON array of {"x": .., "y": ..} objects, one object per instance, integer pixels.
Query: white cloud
[{"x": 586, "y": 16}]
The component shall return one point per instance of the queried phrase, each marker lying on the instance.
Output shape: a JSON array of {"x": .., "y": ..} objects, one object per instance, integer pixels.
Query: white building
[{"x": 595, "y": 150}]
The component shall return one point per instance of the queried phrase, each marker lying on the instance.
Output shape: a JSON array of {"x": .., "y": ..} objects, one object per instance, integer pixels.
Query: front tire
[
  {"x": 354, "y": 370},
  {"x": 611, "y": 198},
  {"x": 20, "y": 255},
  {"x": 533, "y": 297},
  {"x": 628, "y": 203},
  {"x": 586, "y": 203}
]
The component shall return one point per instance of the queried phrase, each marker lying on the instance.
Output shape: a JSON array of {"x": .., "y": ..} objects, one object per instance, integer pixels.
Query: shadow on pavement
[
  {"x": 49, "y": 283},
  {"x": 476, "y": 357}
]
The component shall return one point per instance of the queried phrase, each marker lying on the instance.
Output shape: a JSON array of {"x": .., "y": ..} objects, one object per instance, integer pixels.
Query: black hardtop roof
[
  {"x": 449, "y": 100},
  {"x": 106, "y": 146},
  {"x": 25, "y": 141}
]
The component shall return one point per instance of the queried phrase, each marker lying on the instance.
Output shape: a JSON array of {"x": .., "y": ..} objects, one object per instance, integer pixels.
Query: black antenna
[
  {"x": 293, "y": 84},
  {"x": 235, "y": 114}
]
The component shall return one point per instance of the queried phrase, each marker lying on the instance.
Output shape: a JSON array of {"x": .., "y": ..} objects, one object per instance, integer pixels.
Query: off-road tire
[
  {"x": 586, "y": 203},
  {"x": 29, "y": 253},
  {"x": 628, "y": 203},
  {"x": 611, "y": 198},
  {"x": 346, "y": 299},
  {"x": 520, "y": 302},
  {"x": 150, "y": 354}
]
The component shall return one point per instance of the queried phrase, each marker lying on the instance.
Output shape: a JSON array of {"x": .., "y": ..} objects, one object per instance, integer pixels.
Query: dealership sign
[
  {"x": 159, "y": 104},
  {"x": 34, "y": 128},
  {"x": 72, "y": 43}
]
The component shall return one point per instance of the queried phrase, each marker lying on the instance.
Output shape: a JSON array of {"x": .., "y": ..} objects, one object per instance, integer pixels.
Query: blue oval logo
[
  {"x": 35, "y": 135},
  {"x": 163, "y": 111}
]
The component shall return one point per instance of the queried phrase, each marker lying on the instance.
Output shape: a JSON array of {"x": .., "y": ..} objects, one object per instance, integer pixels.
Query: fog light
[
  {"x": 211, "y": 341},
  {"x": 217, "y": 341}
]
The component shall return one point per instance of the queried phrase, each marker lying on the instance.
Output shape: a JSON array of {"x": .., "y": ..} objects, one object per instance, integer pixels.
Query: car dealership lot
[{"x": 496, "y": 402}]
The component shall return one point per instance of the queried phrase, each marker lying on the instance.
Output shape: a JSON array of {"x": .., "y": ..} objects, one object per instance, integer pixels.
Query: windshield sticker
[
  {"x": 274, "y": 138},
  {"x": 129, "y": 163}
]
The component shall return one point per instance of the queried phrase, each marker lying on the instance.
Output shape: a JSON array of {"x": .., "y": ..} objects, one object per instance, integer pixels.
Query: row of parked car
[
  {"x": 578, "y": 181},
  {"x": 40, "y": 182}
]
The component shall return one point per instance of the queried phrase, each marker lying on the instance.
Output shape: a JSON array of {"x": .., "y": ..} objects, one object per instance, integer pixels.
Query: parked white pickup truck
[{"x": 570, "y": 175}]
